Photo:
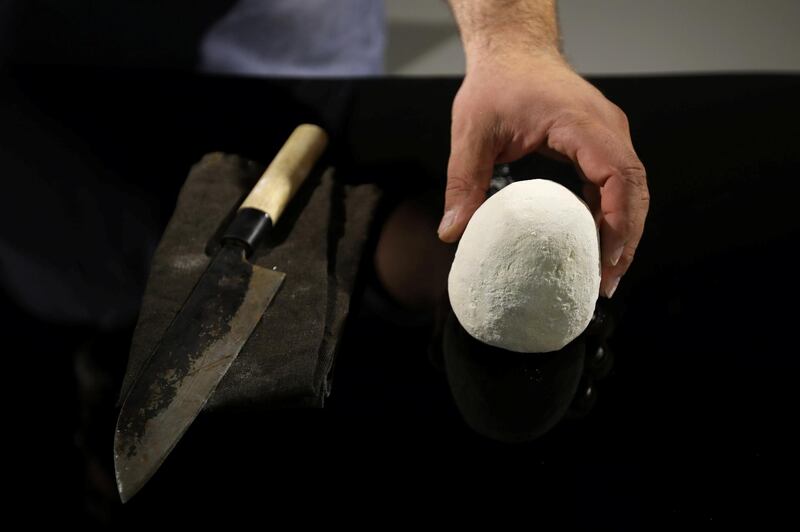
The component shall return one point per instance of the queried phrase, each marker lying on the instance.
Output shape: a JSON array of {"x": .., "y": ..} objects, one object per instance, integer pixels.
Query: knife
[{"x": 214, "y": 323}]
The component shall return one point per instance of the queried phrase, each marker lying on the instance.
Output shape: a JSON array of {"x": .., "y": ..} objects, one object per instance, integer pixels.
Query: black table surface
[{"x": 695, "y": 424}]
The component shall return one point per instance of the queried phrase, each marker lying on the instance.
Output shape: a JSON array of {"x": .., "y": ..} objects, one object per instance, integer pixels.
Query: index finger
[{"x": 610, "y": 163}]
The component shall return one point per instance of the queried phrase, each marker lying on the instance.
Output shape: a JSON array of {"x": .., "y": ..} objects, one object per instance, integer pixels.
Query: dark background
[{"x": 694, "y": 425}]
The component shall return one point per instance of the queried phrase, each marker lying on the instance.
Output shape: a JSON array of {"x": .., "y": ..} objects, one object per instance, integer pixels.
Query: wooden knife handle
[
  {"x": 276, "y": 187},
  {"x": 287, "y": 171}
]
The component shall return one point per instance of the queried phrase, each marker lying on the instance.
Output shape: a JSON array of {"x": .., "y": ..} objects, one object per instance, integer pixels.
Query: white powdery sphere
[{"x": 526, "y": 274}]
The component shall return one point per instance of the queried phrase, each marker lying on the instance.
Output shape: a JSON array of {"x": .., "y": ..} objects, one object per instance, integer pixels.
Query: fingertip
[
  {"x": 613, "y": 242},
  {"x": 457, "y": 215},
  {"x": 609, "y": 280},
  {"x": 449, "y": 230},
  {"x": 612, "y": 249},
  {"x": 448, "y": 237},
  {"x": 615, "y": 255},
  {"x": 611, "y": 286}
]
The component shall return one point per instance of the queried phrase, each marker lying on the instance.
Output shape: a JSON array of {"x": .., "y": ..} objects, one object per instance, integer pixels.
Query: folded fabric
[{"x": 317, "y": 243}]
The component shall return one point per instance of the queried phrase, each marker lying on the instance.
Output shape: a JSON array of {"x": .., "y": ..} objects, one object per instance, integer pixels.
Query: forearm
[{"x": 492, "y": 28}]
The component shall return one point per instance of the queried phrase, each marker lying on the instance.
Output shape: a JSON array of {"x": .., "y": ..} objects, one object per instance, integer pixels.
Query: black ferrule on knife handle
[
  {"x": 248, "y": 228},
  {"x": 262, "y": 208}
]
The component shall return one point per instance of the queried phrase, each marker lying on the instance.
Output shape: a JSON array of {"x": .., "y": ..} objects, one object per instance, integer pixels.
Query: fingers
[
  {"x": 609, "y": 162},
  {"x": 624, "y": 202},
  {"x": 469, "y": 173}
]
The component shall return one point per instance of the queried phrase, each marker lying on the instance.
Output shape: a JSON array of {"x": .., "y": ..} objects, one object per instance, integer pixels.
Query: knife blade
[{"x": 214, "y": 323}]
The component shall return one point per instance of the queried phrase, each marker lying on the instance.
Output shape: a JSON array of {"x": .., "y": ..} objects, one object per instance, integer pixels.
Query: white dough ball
[{"x": 526, "y": 274}]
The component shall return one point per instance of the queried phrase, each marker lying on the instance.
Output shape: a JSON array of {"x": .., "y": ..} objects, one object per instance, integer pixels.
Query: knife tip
[
  {"x": 127, "y": 487},
  {"x": 128, "y": 475},
  {"x": 123, "y": 496}
]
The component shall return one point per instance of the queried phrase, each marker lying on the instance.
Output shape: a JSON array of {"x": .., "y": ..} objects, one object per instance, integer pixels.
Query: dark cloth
[
  {"x": 77, "y": 236},
  {"x": 318, "y": 243}
]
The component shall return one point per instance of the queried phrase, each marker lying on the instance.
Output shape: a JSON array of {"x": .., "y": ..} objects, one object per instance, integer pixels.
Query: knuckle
[
  {"x": 644, "y": 197},
  {"x": 621, "y": 118},
  {"x": 634, "y": 177},
  {"x": 460, "y": 185},
  {"x": 573, "y": 118},
  {"x": 618, "y": 114}
]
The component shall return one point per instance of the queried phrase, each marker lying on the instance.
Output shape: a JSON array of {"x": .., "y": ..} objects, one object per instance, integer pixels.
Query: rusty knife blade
[{"x": 194, "y": 354}]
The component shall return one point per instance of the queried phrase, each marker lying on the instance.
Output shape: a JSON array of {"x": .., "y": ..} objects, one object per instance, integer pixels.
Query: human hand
[{"x": 513, "y": 104}]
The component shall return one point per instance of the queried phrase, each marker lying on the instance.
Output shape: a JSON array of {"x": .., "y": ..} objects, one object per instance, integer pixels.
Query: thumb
[{"x": 469, "y": 173}]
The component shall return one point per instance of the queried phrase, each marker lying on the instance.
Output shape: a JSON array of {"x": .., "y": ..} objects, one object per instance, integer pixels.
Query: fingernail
[
  {"x": 616, "y": 255},
  {"x": 612, "y": 287},
  {"x": 447, "y": 220}
]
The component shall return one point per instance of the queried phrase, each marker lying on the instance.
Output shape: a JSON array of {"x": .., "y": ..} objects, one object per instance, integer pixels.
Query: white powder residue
[{"x": 526, "y": 274}]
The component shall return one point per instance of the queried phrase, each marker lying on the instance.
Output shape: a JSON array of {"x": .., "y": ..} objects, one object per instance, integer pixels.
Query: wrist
[
  {"x": 512, "y": 56},
  {"x": 498, "y": 29}
]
